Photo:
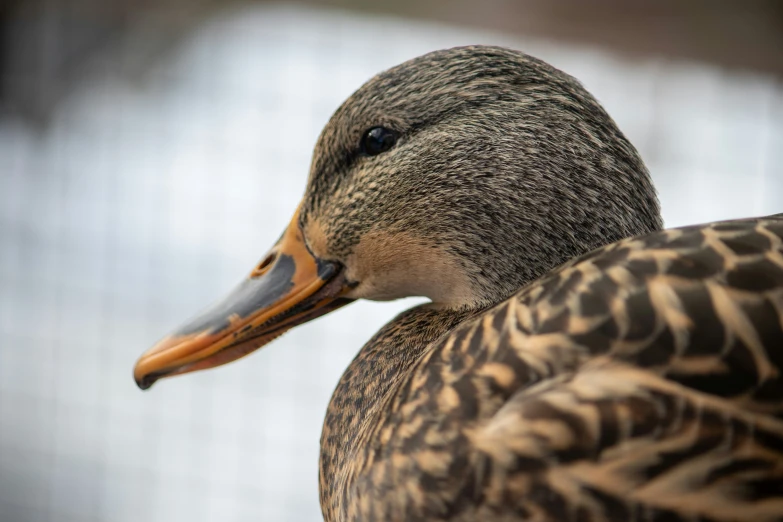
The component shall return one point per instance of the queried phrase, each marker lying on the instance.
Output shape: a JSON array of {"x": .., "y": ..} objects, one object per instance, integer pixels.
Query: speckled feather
[
  {"x": 504, "y": 164},
  {"x": 640, "y": 382}
]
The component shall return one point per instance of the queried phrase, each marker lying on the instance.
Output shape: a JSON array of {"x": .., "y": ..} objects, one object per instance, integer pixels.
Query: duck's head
[{"x": 459, "y": 176}]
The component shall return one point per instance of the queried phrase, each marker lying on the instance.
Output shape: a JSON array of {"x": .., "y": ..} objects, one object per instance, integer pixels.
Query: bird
[{"x": 575, "y": 361}]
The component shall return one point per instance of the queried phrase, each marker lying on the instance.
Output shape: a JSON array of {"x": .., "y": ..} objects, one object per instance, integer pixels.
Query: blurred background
[{"x": 150, "y": 153}]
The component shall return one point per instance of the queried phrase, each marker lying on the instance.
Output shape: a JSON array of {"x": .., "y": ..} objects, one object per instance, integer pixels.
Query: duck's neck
[{"x": 372, "y": 379}]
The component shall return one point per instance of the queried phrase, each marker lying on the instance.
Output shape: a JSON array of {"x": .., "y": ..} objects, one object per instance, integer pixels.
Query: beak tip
[{"x": 145, "y": 382}]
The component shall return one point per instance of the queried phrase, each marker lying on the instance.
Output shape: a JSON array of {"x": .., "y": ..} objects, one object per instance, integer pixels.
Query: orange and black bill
[{"x": 289, "y": 287}]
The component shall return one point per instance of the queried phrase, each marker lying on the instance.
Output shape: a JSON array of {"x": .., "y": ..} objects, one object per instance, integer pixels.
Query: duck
[{"x": 574, "y": 361}]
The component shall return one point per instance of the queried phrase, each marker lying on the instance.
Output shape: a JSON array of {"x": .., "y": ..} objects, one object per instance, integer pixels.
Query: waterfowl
[{"x": 576, "y": 362}]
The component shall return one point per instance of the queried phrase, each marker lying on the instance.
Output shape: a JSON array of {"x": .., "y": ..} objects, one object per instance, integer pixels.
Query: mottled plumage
[
  {"x": 638, "y": 382},
  {"x": 506, "y": 167}
]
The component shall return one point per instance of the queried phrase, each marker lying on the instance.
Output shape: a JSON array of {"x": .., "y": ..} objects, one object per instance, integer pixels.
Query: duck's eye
[{"x": 378, "y": 140}]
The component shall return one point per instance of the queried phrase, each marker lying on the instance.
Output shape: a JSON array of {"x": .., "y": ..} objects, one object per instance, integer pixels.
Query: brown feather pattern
[{"x": 639, "y": 382}]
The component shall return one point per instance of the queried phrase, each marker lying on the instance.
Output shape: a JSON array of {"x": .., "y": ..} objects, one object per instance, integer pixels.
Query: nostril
[{"x": 264, "y": 264}]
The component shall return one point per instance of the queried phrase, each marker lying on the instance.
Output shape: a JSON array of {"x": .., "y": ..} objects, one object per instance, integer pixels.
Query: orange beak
[{"x": 289, "y": 287}]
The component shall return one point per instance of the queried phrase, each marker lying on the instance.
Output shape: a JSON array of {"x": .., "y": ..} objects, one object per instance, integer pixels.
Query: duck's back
[{"x": 642, "y": 381}]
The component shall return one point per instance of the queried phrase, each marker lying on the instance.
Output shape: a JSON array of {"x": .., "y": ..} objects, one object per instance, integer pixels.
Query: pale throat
[{"x": 392, "y": 265}]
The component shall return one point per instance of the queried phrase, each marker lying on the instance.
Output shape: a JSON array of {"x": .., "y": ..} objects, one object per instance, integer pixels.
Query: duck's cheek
[
  {"x": 378, "y": 277},
  {"x": 378, "y": 290},
  {"x": 399, "y": 266}
]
